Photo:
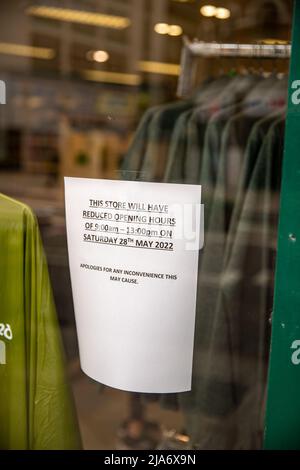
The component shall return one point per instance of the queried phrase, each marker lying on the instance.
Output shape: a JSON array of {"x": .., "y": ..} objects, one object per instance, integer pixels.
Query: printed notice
[{"x": 133, "y": 253}]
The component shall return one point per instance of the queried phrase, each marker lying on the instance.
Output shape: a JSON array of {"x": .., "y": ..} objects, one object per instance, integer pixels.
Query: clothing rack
[{"x": 195, "y": 49}]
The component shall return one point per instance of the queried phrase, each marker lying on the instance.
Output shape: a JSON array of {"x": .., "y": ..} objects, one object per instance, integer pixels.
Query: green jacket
[{"x": 36, "y": 407}]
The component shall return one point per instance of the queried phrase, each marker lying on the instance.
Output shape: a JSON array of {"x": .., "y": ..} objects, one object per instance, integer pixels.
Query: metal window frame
[{"x": 282, "y": 421}]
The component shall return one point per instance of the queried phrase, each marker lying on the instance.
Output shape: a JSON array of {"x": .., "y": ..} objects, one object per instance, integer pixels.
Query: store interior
[{"x": 76, "y": 89}]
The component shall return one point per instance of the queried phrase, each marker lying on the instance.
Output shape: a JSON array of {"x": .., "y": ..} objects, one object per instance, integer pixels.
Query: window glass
[{"x": 97, "y": 90}]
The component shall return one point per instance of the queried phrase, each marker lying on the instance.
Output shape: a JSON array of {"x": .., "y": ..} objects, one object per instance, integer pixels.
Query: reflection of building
[
  {"x": 70, "y": 39},
  {"x": 45, "y": 63},
  {"x": 44, "y": 60}
]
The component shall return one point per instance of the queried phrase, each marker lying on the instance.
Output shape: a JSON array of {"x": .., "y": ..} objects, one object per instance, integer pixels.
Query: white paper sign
[{"x": 134, "y": 264}]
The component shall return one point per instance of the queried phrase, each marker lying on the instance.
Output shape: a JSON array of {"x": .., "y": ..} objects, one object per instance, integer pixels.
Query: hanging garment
[
  {"x": 217, "y": 112},
  {"x": 229, "y": 392},
  {"x": 226, "y": 140},
  {"x": 221, "y": 175},
  {"x": 247, "y": 298},
  {"x": 186, "y": 136},
  {"x": 217, "y": 141},
  {"x": 209, "y": 286},
  {"x": 218, "y": 208},
  {"x": 186, "y": 140},
  {"x": 36, "y": 407},
  {"x": 238, "y": 147},
  {"x": 254, "y": 145},
  {"x": 188, "y": 143},
  {"x": 146, "y": 158},
  {"x": 133, "y": 159},
  {"x": 163, "y": 126},
  {"x": 174, "y": 172},
  {"x": 159, "y": 136},
  {"x": 197, "y": 138}
]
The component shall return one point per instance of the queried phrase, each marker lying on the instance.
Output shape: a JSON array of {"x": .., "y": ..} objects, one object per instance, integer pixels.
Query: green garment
[{"x": 36, "y": 406}]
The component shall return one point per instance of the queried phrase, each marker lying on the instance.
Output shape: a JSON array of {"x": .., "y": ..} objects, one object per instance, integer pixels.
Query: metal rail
[{"x": 196, "y": 49}]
